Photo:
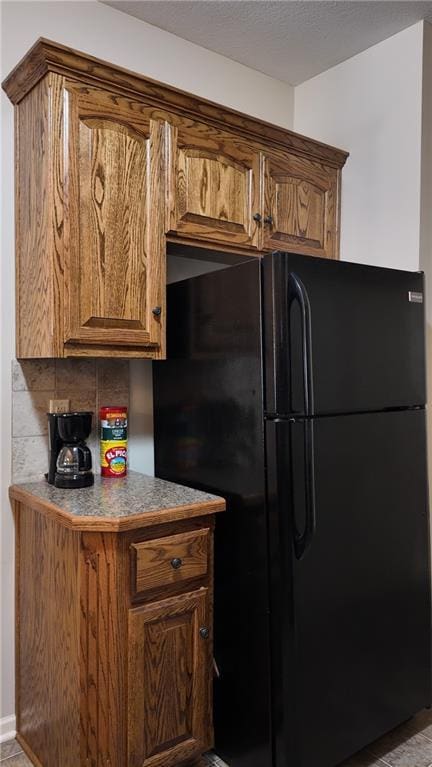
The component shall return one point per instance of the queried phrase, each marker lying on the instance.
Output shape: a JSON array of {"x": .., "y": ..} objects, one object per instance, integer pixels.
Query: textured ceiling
[{"x": 291, "y": 40}]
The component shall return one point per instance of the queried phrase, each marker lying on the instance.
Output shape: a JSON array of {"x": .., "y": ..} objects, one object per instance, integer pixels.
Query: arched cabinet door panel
[
  {"x": 114, "y": 247},
  {"x": 213, "y": 185},
  {"x": 300, "y": 206}
]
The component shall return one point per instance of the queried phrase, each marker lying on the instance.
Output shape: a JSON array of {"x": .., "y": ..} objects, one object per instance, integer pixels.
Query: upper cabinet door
[
  {"x": 114, "y": 214},
  {"x": 213, "y": 186},
  {"x": 300, "y": 206}
]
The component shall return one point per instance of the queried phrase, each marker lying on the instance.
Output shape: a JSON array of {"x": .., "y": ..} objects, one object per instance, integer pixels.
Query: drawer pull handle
[
  {"x": 257, "y": 217},
  {"x": 176, "y": 563},
  {"x": 204, "y": 632}
]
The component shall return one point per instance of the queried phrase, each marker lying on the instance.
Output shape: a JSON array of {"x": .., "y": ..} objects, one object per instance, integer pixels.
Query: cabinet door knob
[
  {"x": 176, "y": 563},
  {"x": 157, "y": 311},
  {"x": 268, "y": 220},
  {"x": 257, "y": 217},
  {"x": 204, "y": 632}
]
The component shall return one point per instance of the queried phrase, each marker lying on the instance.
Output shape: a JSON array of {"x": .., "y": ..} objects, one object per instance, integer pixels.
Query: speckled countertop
[{"x": 133, "y": 501}]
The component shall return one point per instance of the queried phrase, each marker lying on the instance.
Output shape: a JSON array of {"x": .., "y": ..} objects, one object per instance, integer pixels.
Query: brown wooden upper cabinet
[
  {"x": 214, "y": 186},
  {"x": 109, "y": 165},
  {"x": 234, "y": 192},
  {"x": 90, "y": 237},
  {"x": 300, "y": 206},
  {"x": 114, "y": 206}
]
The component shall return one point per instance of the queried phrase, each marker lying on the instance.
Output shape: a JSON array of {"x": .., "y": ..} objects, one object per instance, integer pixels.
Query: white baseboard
[{"x": 7, "y": 728}]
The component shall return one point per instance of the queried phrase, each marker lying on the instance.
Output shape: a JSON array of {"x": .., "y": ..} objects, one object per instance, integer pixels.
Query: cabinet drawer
[{"x": 173, "y": 559}]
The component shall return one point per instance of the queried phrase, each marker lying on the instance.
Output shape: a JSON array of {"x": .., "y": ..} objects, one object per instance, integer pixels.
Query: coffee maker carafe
[{"x": 70, "y": 461}]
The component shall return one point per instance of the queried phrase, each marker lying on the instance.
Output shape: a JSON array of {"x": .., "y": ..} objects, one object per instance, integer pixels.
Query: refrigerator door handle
[
  {"x": 303, "y": 540},
  {"x": 297, "y": 292}
]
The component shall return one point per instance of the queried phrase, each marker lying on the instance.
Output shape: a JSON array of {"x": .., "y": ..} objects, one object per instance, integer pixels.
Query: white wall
[
  {"x": 123, "y": 40},
  {"x": 426, "y": 165},
  {"x": 426, "y": 217},
  {"x": 379, "y": 106},
  {"x": 371, "y": 105}
]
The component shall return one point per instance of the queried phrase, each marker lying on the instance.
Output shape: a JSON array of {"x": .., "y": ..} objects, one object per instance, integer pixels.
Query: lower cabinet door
[{"x": 169, "y": 681}]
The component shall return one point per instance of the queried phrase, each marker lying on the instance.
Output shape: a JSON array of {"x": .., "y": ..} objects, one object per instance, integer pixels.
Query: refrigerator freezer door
[
  {"x": 357, "y": 330},
  {"x": 351, "y": 614}
]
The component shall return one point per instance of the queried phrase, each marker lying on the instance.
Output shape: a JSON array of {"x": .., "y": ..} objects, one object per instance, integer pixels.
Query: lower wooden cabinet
[
  {"x": 169, "y": 682},
  {"x": 108, "y": 676}
]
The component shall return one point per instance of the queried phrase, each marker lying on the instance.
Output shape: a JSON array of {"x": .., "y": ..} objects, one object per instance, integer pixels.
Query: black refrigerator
[{"x": 295, "y": 388}]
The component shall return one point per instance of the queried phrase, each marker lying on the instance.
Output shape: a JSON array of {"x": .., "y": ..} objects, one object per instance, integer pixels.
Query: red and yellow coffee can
[{"x": 113, "y": 441}]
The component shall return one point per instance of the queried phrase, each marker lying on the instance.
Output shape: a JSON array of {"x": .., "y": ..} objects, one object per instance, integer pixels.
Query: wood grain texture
[
  {"x": 166, "y": 652},
  {"x": 156, "y": 237},
  {"x": 28, "y": 751},
  {"x": 208, "y": 248},
  {"x": 90, "y": 245},
  {"x": 39, "y": 221},
  {"x": 103, "y": 609},
  {"x": 47, "y": 641},
  {"x": 191, "y": 526},
  {"x": 152, "y": 561},
  {"x": 16, "y": 510},
  {"x": 48, "y": 56},
  {"x": 213, "y": 185},
  {"x": 101, "y": 683},
  {"x": 301, "y": 197},
  {"x": 115, "y": 524},
  {"x": 123, "y": 351},
  {"x": 112, "y": 190},
  {"x": 116, "y": 161}
]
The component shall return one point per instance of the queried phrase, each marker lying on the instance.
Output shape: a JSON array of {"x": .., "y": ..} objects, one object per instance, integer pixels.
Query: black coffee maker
[{"x": 70, "y": 461}]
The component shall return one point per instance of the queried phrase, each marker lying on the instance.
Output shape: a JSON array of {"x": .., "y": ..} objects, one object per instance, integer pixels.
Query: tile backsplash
[{"x": 88, "y": 384}]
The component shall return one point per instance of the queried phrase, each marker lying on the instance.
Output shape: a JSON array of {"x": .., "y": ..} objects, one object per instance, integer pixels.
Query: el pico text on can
[{"x": 113, "y": 441}]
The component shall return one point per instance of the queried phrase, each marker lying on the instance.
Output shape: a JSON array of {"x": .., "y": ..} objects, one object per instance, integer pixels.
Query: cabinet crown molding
[{"x": 48, "y": 56}]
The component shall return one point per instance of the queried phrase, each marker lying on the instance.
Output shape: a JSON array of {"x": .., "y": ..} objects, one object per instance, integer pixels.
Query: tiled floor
[{"x": 410, "y": 745}]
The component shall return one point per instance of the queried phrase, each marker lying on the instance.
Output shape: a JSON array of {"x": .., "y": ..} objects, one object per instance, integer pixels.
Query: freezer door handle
[
  {"x": 303, "y": 540},
  {"x": 297, "y": 292}
]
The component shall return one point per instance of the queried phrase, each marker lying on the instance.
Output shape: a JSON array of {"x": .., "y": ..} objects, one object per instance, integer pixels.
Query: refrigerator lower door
[{"x": 351, "y": 613}]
